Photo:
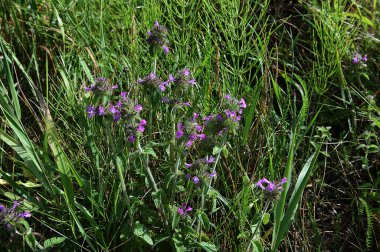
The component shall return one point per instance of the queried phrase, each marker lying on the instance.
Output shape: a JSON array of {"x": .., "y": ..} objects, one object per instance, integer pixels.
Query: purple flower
[
  {"x": 143, "y": 122},
  {"x": 186, "y": 104},
  {"x": 242, "y": 103},
  {"x": 15, "y": 204},
  {"x": 208, "y": 118},
  {"x": 184, "y": 208},
  {"x": 118, "y": 105},
  {"x": 219, "y": 117},
  {"x": 101, "y": 110},
  {"x": 209, "y": 160},
  {"x": 124, "y": 95},
  {"x": 261, "y": 181},
  {"x": 195, "y": 116},
  {"x": 166, "y": 49},
  {"x": 162, "y": 87},
  {"x": 201, "y": 137},
  {"x": 131, "y": 138},
  {"x": 212, "y": 175},
  {"x": 187, "y": 176},
  {"x": 188, "y": 165},
  {"x": 189, "y": 144},
  {"x": 113, "y": 110},
  {"x": 195, "y": 180},
  {"x": 181, "y": 211},
  {"x": 138, "y": 108},
  {"x": 227, "y": 97},
  {"x": 179, "y": 134},
  {"x": 192, "y": 137},
  {"x": 140, "y": 128},
  {"x": 87, "y": 89},
  {"x": 152, "y": 75},
  {"x": 192, "y": 82},
  {"x": 91, "y": 111},
  {"x": 271, "y": 186},
  {"x": 364, "y": 58},
  {"x": 355, "y": 60},
  {"x": 171, "y": 78},
  {"x": 199, "y": 128},
  {"x": 116, "y": 117},
  {"x": 180, "y": 126},
  {"x": 283, "y": 181},
  {"x": 156, "y": 24},
  {"x": 10, "y": 217},
  {"x": 25, "y": 214},
  {"x": 186, "y": 72}
]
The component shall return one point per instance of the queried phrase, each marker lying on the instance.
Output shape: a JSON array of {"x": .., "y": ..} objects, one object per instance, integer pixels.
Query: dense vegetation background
[{"x": 308, "y": 70}]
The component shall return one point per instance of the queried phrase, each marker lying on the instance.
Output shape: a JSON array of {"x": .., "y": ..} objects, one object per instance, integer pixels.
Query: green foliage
[{"x": 90, "y": 189}]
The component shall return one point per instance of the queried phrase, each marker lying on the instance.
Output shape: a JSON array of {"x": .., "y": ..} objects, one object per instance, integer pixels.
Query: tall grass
[{"x": 312, "y": 117}]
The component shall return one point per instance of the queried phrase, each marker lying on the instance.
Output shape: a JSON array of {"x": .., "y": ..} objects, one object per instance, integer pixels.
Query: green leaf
[
  {"x": 206, "y": 221},
  {"x": 216, "y": 150},
  {"x": 303, "y": 177},
  {"x": 266, "y": 218},
  {"x": 142, "y": 232},
  {"x": 53, "y": 242},
  {"x": 179, "y": 247},
  {"x": 28, "y": 184},
  {"x": 257, "y": 246},
  {"x": 209, "y": 247},
  {"x": 31, "y": 241},
  {"x": 149, "y": 151}
]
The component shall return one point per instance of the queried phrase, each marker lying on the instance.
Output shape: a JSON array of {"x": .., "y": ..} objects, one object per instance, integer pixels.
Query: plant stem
[
  {"x": 209, "y": 186},
  {"x": 258, "y": 225}
]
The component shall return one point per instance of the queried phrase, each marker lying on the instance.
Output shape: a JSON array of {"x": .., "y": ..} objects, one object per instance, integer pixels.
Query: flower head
[
  {"x": 124, "y": 95},
  {"x": 91, "y": 111},
  {"x": 359, "y": 58},
  {"x": 209, "y": 160},
  {"x": 101, "y": 110},
  {"x": 195, "y": 180},
  {"x": 158, "y": 37},
  {"x": 131, "y": 138},
  {"x": 138, "y": 108},
  {"x": 212, "y": 175},
  {"x": 272, "y": 190},
  {"x": 10, "y": 216},
  {"x": 184, "y": 209},
  {"x": 188, "y": 165}
]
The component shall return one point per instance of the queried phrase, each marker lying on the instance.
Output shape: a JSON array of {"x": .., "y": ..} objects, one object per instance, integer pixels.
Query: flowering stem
[
  {"x": 154, "y": 64},
  {"x": 258, "y": 225},
  {"x": 218, "y": 157},
  {"x": 172, "y": 143},
  {"x": 209, "y": 186},
  {"x": 146, "y": 166},
  {"x": 154, "y": 185},
  {"x": 118, "y": 163},
  {"x": 175, "y": 179},
  {"x": 124, "y": 188}
]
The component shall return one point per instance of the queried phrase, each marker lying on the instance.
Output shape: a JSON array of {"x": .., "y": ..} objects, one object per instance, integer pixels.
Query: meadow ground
[{"x": 218, "y": 125}]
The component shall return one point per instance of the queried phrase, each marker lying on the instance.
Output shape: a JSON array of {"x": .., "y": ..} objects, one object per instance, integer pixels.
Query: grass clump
[{"x": 189, "y": 125}]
